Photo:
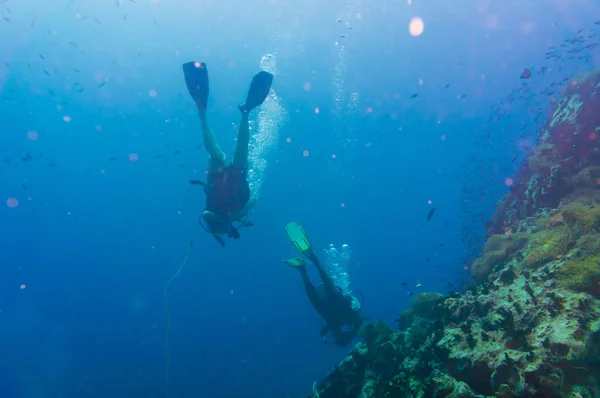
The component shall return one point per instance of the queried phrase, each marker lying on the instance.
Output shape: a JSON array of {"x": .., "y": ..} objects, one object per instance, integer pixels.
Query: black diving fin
[
  {"x": 259, "y": 89},
  {"x": 196, "y": 79}
]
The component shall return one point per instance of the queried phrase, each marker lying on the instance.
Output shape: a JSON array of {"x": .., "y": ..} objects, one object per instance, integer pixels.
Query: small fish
[
  {"x": 404, "y": 284},
  {"x": 26, "y": 157},
  {"x": 24, "y": 186},
  {"x": 46, "y": 72},
  {"x": 447, "y": 85},
  {"x": 41, "y": 56},
  {"x": 97, "y": 20},
  {"x": 51, "y": 92},
  {"x": 414, "y": 96},
  {"x": 33, "y": 22},
  {"x": 112, "y": 159},
  {"x": 430, "y": 214},
  {"x": 526, "y": 74},
  {"x": 155, "y": 22},
  {"x": 80, "y": 90},
  {"x": 7, "y": 65},
  {"x": 6, "y": 19},
  {"x": 101, "y": 84},
  {"x": 75, "y": 70}
]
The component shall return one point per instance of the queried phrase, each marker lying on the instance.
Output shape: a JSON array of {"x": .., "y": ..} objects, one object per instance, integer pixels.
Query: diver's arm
[{"x": 242, "y": 213}]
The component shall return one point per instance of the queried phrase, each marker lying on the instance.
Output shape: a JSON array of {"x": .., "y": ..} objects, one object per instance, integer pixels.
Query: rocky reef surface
[{"x": 531, "y": 325}]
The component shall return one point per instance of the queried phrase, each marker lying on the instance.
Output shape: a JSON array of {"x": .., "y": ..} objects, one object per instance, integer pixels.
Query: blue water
[{"x": 86, "y": 253}]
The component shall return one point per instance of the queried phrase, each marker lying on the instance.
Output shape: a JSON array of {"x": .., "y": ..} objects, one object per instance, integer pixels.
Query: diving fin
[
  {"x": 259, "y": 89},
  {"x": 299, "y": 239},
  {"x": 196, "y": 79},
  {"x": 295, "y": 262}
]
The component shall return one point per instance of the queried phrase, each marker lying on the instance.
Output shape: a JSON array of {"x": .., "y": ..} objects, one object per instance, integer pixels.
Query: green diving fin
[
  {"x": 299, "y": 239},
  {"x": 295, "y": 262},
  {"x": 259, "y": 89},
  {"x": 196, "y": 79}
]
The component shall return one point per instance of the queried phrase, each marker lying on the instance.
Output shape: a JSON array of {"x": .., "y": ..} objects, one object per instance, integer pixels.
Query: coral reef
[
  {"x": 565, "y": 159},
  {"x": 530, "y": 326}
]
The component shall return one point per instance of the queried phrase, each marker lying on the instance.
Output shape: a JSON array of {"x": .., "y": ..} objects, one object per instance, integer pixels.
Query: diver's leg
[
  {"x": 240, "y": 156},
  {"x": 311, "y": 291},
  {"x": 217, "y": 156},
  {"x": 330, "y": 288}
]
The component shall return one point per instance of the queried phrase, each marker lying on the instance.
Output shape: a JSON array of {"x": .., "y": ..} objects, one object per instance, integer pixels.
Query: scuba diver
[
  {"x": 341, "y": 311},
  {"x": 227, "y": 191}
]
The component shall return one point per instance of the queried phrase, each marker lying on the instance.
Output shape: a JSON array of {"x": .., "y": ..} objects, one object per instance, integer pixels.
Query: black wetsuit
[{"x": 335, "y": 307}]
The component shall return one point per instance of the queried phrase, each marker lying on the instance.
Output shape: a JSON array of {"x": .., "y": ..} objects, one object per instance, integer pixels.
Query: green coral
[
  {"x": 588, "y": 243},
  {"x": 547, "y": 245},
  {"x": 498, "y": 250},
  {"x": 581, "y": 218},
  {"x": 579, "y": 274}
]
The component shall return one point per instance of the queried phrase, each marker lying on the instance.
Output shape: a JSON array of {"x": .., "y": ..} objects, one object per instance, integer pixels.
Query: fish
[
  {"x": 431, "y": 213},
  {"x": 526, "y": 74},
  {"x": 414, "y": 96}
]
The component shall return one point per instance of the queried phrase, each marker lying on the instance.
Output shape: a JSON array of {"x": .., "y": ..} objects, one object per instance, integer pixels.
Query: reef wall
[{"x": 531, "y": 326}]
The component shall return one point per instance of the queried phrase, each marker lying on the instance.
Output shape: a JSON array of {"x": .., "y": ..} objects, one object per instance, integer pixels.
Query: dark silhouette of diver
[
  {"x": 227, "y": 191},
  {"x": 341, "y": 311}
]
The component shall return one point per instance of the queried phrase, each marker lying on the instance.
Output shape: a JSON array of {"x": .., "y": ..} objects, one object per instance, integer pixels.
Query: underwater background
[{"x": 371, "y": 123}]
